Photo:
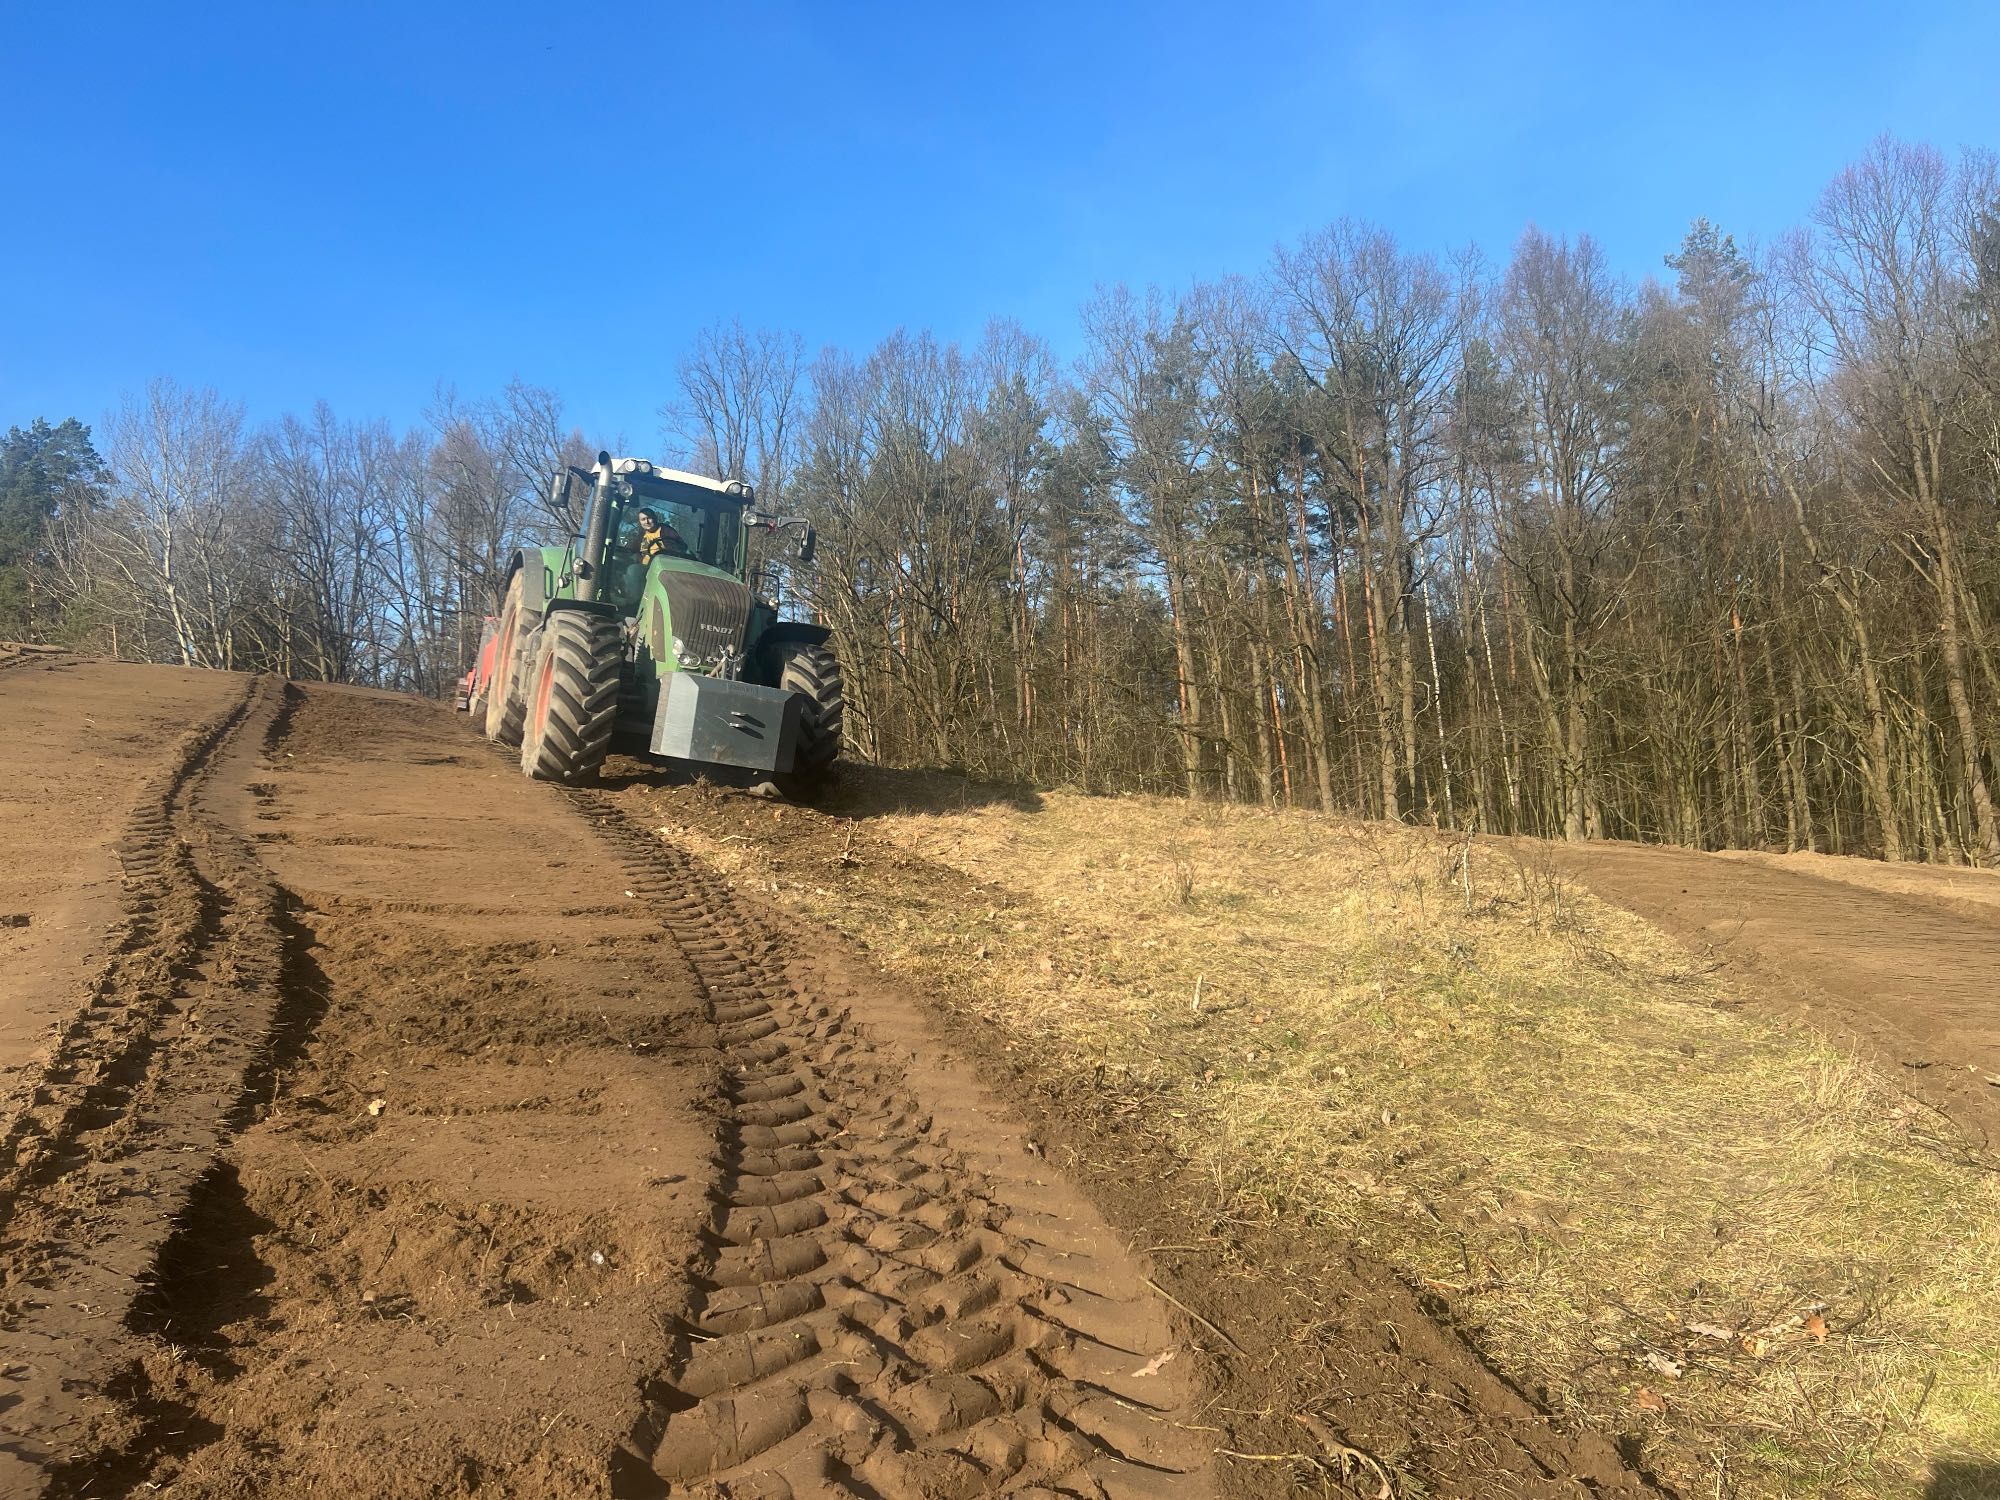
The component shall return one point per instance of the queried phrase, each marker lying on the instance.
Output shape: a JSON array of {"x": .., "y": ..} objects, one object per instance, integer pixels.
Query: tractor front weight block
[{"x": 727, "y": 722}]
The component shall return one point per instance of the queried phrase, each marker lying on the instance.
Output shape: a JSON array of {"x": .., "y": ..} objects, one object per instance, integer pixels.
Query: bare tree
[
  {"x": 1559, "y": 319},
  {"x": 1885, "y": 274},
  {"x": 177, "y": 531},
  {"x": 736, "y": 413},
  {"x": 1374, "y": 329}
]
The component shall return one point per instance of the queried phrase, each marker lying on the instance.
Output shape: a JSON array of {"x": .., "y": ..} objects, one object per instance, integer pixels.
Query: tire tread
[
  {"x": 569, "y": 746},
  {"x": 813, "y": 671}
]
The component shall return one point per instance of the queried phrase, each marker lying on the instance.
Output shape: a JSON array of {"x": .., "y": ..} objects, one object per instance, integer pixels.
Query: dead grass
[{"x": 1656, "y": 1210}]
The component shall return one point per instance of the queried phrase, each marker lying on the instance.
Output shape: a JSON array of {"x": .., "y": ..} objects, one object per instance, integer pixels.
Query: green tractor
[{"x": 646, "y": 631}]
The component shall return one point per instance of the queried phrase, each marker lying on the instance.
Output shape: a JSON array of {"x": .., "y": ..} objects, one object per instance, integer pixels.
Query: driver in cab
[{"x": 657, "y": 537}]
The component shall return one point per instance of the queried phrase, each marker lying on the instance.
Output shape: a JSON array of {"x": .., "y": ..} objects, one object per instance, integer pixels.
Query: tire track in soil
[
  {"x": 1326, "y": 1330},
  {"x": 463, "y": 1291},
  {"x": 898, "y": 1301},
  {"x": 108, "y": 1139}
]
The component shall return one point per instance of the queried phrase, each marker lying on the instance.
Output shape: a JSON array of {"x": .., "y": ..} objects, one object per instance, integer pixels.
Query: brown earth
[
  {"x": 1904, "y": 960},
  {"x": 63, "y": 813}
]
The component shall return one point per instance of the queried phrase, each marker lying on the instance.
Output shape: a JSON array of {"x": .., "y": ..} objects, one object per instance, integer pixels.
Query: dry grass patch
[{"x": 1665, "y": 1215}]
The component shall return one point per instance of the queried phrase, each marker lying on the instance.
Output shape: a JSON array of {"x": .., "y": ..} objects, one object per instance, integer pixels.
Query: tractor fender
[
  {"x": 480, "y": 678},
  {"x": 598, "y": 607},
  {"x": 794, "y": 630},
  {"x": 538, "y": 567}
]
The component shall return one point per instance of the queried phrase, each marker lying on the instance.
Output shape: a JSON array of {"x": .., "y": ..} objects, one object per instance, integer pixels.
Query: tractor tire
[
  {"x": 506, "y": 694},
  {"x": 813, "y": 672},
  {"x": 572, "y": 697}
]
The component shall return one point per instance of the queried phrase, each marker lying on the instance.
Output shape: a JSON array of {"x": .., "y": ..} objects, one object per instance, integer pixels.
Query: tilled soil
[{"x": 424, "y": 1131}]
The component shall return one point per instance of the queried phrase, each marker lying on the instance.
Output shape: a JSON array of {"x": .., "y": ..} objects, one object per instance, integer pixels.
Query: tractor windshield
[{"x": 645, "y": 528}]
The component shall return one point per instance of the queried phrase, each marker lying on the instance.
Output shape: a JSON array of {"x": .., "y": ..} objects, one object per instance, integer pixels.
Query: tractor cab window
[
  {"x": 625, "y": 558},
  {"x": 712, "y": 532},
  {"x": 708, "y": 534}
]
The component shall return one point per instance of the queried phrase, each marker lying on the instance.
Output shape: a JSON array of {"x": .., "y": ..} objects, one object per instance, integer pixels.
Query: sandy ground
[
  {"x": 63, "y": 814},
  {"x": 1966, "y": 888},
  {"x": 1903, "y": 960},
  {"x": 385, "y": 1124}
]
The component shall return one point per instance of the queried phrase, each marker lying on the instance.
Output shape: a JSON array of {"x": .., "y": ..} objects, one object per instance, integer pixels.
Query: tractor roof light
[{"x": 655, "y": 478}]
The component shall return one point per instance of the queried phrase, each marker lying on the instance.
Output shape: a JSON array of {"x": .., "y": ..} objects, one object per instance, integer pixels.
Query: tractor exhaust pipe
[{"x": 593, "y": 536}]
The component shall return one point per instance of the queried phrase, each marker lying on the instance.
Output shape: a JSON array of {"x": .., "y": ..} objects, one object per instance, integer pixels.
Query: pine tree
[{"x": 44, "y": 472}]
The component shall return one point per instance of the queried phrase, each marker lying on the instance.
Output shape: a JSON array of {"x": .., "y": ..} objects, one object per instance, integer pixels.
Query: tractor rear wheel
[
  {"x": 813, "y": 672},
  {"x": 572, "y": 697},
  {"x": 479, "y": 681},
  {"x": 506, "y": 691}
]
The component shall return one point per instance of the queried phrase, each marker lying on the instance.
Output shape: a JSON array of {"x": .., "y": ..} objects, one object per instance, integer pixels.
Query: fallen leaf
[
  {"x": 1153, "y": 1365},
  {"x": 1816, "y": 1329},
  {"x": 1753, "y": 1346},
  {"x": 376, "y": 1106},
  {"x": 1713, "y": 1331},
  {"x": 1649, "y": 1399},
  {"x": 1654, "y": 1360}
]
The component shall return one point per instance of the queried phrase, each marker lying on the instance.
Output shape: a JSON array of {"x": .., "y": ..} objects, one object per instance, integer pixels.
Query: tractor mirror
[
  {"x": 559, "y": 491},
  {"x": 809, "y": 546}
]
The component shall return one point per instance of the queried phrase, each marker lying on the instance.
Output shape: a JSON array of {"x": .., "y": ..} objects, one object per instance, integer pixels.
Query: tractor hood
[{"x": 708, "y": 613}]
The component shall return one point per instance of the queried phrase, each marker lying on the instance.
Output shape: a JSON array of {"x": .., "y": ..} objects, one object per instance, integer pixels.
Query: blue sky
[{"x": 294, "y": 200}]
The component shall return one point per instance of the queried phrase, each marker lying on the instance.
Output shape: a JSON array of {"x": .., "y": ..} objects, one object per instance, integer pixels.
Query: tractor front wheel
[
  {"x": 813, "y": 672},
  {"x": 572, "y": 697}
]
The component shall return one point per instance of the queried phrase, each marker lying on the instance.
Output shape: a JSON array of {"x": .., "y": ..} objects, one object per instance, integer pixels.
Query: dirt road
[
  {"x": 380, "y": 1123},
  {"x": 1905, "y": 961}
]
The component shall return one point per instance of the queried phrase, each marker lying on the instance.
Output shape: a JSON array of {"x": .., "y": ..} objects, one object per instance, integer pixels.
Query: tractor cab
[{"x": 655, "y": 517}]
